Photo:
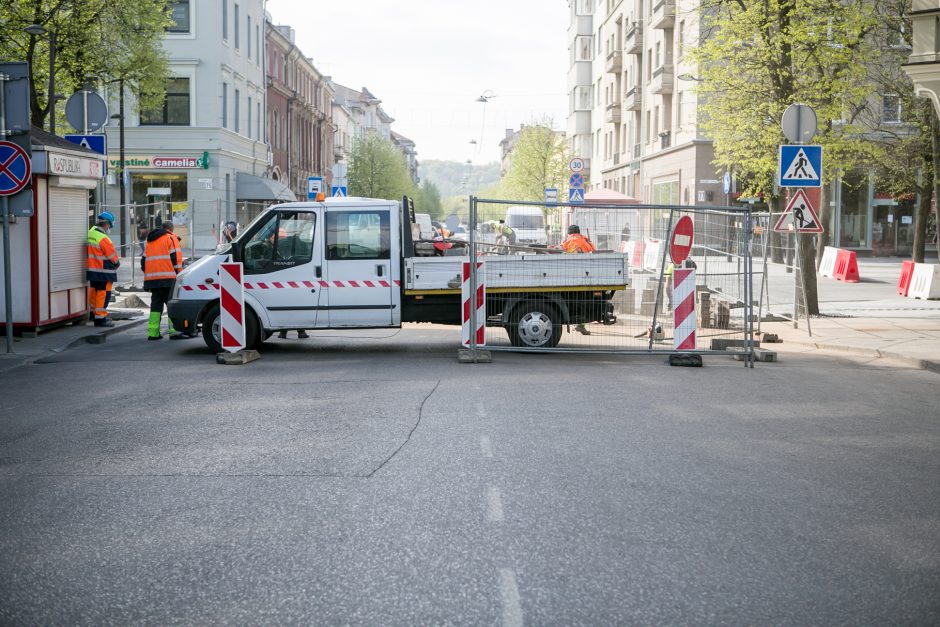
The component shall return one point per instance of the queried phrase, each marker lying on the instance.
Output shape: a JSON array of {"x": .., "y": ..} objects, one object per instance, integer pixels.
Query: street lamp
[
  {"x": 689, "y": 77},
  {"x": 122, "y": 185},
  {"x": 38, "y": 30},
  {"x": 485, "y": 97}
]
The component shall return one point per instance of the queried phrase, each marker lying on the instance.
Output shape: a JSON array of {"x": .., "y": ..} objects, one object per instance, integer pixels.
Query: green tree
[
  {"x": 539, "y": 160},
  {"x": 96, "y": 40},
  {"x": 377, "y": 169},
  {"x": 757, "y": 58},
  {"x": 428, "y": 200}
]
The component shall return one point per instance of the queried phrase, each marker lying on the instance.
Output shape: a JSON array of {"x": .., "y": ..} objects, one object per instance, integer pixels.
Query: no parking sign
[{"x": 15, "y": 169}]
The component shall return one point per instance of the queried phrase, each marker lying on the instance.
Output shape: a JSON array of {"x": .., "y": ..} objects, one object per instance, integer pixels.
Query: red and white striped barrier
[
  {"x": 232, "y": 306},
  {"x": 285, "y": 285},
  {"x": 683, "y": 295},
  {"x": 652, "y": 256},
  {"x": 481, "y": 306},
  {"x": 827, "y": 265}
]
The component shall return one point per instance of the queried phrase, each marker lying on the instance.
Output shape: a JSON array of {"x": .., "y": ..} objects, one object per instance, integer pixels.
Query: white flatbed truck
[{"x": 348, "y": 263}]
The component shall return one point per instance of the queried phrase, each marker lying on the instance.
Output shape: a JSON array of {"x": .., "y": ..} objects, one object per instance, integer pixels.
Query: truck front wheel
[
  {"x": 534, "y": 325},
  {"x": 212, "y": 329}
]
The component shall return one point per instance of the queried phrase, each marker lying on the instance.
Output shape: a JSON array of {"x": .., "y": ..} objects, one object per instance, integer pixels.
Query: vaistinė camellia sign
[{"x": 161, "y": 162}]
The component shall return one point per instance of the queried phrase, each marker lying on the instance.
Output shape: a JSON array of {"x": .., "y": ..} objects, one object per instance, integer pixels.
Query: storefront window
[
  {"x": 160, "y": 197},
  {"x": 853, "y": 213}
]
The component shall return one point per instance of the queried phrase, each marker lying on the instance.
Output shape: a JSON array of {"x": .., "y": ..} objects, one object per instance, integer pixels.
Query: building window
[
  {"x": 238, "y": 96},
  {"x": 237, "y": 29},
  {"x": 225, "y": 20},
  {"x": 224, "y": 105},
  {"x": 582, "y": 98},
  {"x": 248, "y": 128},
  {"x": 680, "y": 45},
  {"x": 257, "y": 45},
  {"x": 248, "y": 35},
  {"x": 890, "y": 108},
  {"x": 275, "y": 132},
  {"x": 179, "y": 14},
  {"x": 584, "y": 7},
  {"x": 175, "y": 109},
  {"x": 582, "y": 45},
  {"x": 258, "y": 122}
]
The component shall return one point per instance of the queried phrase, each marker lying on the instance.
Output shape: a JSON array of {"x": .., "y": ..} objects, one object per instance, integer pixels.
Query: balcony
[
  {"x": 633, "y": 99},
  {"x": 663, "y": 80},
  {"x": 664, "y": 14},
  {"x": 613, "y": 113},
  {"x": 614, "y": 62},
  {"x": 633, "y": 40}
]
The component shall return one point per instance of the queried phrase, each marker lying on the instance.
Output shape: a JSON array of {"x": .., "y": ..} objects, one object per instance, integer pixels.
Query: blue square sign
[{"x": 800, "y": 166}]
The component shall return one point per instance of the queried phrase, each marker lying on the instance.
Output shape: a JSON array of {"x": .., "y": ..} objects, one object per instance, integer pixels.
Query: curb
[
  {"x": 101, "y": 334},
  {"x": 923, "y": 364}
]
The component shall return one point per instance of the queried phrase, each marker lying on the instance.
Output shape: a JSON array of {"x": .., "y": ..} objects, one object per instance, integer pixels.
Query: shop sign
[
  {"x": 63, "y": 165},
  {"x": 162, "y": 162}
]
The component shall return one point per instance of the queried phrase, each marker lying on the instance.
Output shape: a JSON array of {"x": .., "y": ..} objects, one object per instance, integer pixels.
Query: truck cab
[{"x": 307, "y": 265}]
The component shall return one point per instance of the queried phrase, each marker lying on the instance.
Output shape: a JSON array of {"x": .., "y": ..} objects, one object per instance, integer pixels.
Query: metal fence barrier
[{"x": 578, "y": 302}]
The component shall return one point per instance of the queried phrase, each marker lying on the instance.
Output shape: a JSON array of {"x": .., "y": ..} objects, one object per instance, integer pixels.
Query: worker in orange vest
[
  {"x": 103, "y": 263},
  {"x": 161, "y": 262},
  {"x": 577, "y": 243}
]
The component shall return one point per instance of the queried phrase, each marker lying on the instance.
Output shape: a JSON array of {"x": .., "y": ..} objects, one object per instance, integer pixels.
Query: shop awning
[{"x": 251, "y": 187}]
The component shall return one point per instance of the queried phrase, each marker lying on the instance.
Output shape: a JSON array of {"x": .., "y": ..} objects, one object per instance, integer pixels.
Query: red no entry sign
[
  {"x": 681, "y": 243},
  {"x": 15, "y": 168}
]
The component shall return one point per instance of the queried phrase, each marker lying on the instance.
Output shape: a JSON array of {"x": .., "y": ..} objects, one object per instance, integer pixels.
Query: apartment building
[
  {"x": 299, "y": 116},
  {"x": 632, "y": 108},
  {"x": 205, "y": 147}
]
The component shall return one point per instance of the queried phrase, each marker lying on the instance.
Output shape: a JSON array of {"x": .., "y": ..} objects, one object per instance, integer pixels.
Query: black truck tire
[
  {"x": 534, "y": 325},
  {"x": 211, "y": 329}
]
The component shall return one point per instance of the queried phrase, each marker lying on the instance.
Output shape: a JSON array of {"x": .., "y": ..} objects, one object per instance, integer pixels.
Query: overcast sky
[{"x": 429, "y": 60}]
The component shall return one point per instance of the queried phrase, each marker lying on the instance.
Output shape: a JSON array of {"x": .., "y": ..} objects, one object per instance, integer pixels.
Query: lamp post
[
  {"x": 485, "y": 97},
  {"x": 38, "y": 30},
  {"x": 122, "y": 184}
]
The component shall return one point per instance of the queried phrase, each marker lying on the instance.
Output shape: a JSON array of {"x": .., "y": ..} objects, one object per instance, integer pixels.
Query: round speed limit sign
[{"x": 576, "y": 164}]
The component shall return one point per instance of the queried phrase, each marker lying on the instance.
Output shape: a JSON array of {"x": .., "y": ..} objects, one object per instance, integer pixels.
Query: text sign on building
[
  {"x": 800, "y": 166},
  {"x": 65, "y": 165},
  {"x": 314, "y": 187},
  {"x": 161, "y": 162}
]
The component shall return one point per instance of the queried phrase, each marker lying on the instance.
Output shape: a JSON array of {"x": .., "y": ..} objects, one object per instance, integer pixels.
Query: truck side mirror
[{"x": 236, "y": 251}]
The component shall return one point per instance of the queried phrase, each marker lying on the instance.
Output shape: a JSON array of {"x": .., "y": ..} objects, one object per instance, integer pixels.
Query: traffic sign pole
[{"x": 7, "y": 277}]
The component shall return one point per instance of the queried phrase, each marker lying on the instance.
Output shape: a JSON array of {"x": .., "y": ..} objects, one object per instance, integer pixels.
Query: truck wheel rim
[
  {"x": 535, "y": 329},
  {"x": 217, "y": 329}
]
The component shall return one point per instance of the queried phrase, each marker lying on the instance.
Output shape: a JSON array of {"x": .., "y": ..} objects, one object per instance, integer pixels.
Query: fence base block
[
  {"x": 465, "y": 356},
  {"x": 722, "y": 344},
  {"x": 771, "y": 338},
  {"x": 691, "y": 360},
  {"x": 237, "y": 358},
  {"x": 760, "y": 354}
]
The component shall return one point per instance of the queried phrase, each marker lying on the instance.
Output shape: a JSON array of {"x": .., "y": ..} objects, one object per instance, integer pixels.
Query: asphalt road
[{"x": 376, "y": 481}]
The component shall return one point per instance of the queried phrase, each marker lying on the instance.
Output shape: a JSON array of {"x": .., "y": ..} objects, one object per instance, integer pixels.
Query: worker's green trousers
[{"x": 153, "y": 325}]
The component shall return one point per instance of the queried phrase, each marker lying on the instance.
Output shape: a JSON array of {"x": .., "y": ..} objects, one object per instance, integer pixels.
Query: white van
[{"x": 528, "y": 224}]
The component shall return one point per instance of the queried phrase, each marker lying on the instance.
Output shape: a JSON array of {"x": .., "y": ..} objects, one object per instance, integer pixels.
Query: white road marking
[
  {"x": 494, "y": 505},
  {"x": 486, "y": 446},
  {"x": 509, "y": 591}
]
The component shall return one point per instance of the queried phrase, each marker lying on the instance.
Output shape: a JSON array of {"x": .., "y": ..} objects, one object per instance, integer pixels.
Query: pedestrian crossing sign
[
  {"x": 799, "y": 216},
  {"x": 800, "y": 166},
  {"x": 576, "y": 194},
  {"x": 338, "y": 191}
]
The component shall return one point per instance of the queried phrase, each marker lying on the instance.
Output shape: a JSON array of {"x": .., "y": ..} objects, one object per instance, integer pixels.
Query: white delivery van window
[
  {"x": 357, "y": 235},
  {"x": 284, "y": 240},
  {"x": 534, "y": 221}
]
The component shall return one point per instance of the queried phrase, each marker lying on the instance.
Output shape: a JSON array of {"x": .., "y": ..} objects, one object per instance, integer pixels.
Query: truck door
[
  {"x": 281, "y": 257},
  {"x": 362, "y": 289}
]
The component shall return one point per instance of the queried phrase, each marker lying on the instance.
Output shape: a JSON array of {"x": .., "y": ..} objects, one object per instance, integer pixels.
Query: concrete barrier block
[{"x": 237, "y": 358}]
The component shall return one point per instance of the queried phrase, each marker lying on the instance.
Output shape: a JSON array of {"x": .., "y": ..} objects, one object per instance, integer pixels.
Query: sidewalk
[{"x": 868, "y": 318}]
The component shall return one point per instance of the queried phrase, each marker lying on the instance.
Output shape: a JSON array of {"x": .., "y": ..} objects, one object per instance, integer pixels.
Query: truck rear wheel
[
  {"x": 534, "y": 325},
  {"x": 212, "y": 333}
]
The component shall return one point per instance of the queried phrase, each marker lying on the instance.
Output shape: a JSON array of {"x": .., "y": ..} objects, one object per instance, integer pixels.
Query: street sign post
[
  {"x": 799, "y": 123},
  {"x": 800, "y": 166},
  {"x": 680, "y": 245},
  {"x": 314, "y": 187},
  {"x": 576, "y": 180},
  {"x": 15, "y": 169},
  {"x": 576, "y": 164},
  {"x": 551, "y": 194},
  {"x": 799, "y": 216},
  {"x": 339, "y": 191},
  {"x": 95, "y": 143},
  {"x": 576, "y": 194},
  {"x": 726, "y": 183},
  {"x": 86, "y": 111}
]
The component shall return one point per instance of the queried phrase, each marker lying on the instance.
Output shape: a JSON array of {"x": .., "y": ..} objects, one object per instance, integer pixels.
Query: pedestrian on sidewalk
[
  {"x": 161, "y": 262},
  {"x": 103, "y": 263}
]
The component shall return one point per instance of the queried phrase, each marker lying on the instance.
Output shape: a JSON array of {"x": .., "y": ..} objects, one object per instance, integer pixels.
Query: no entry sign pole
[{"x": 7, "y": 277}]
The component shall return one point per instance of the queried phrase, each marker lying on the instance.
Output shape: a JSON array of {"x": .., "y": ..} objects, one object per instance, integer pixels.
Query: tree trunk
[
  {"x": 808, "y": 272},
  {"x": 931, "y": 186},
  {"x": 778, "y": 241}
]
